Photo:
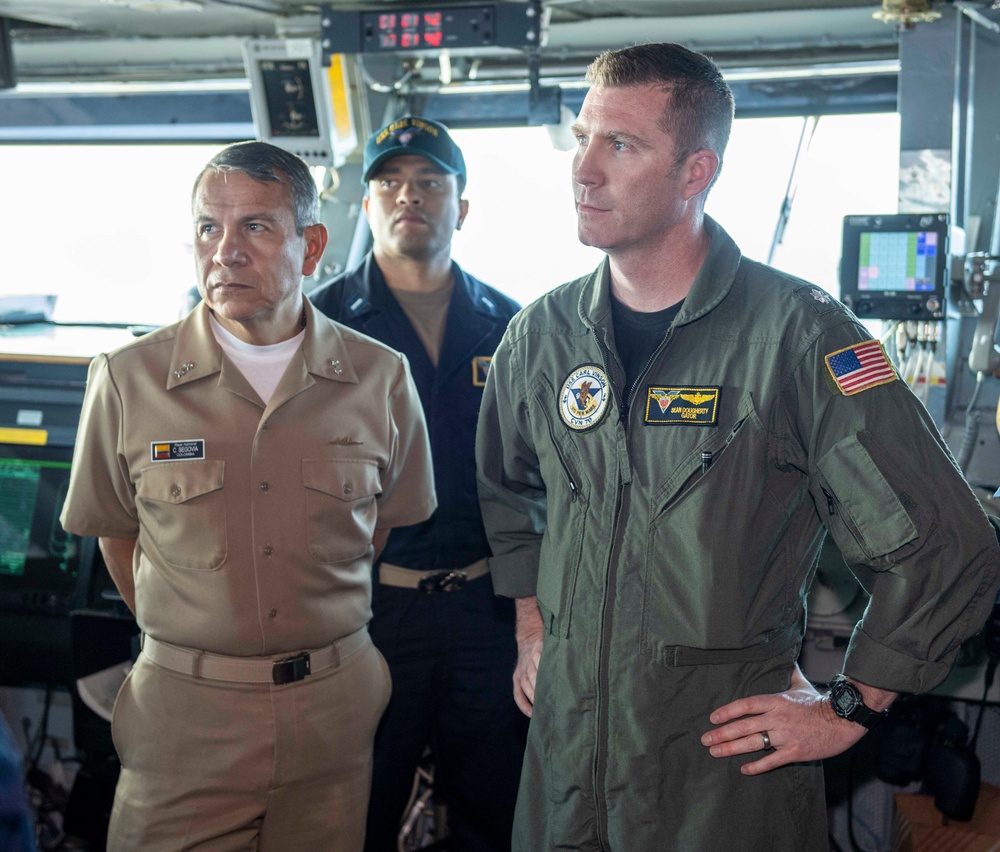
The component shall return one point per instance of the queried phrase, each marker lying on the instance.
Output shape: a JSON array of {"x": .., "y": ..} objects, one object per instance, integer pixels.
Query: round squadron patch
[{"x": 584, "y": 398}]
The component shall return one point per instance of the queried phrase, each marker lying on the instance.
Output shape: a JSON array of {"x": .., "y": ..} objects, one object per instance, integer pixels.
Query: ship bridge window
[
  {"x": 520, "y": 235},
  {"x": 107, "y": 228}
]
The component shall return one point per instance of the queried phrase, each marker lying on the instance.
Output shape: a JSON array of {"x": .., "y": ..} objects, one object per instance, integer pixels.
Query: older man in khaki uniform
[{"x": 240, "y": 469}]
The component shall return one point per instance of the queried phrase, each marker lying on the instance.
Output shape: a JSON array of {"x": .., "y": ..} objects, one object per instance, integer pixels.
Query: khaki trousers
[{"x": 218, "y": 766}]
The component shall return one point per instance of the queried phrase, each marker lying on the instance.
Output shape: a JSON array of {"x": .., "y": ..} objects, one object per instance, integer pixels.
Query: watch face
[{"x": 844, "y": 699}]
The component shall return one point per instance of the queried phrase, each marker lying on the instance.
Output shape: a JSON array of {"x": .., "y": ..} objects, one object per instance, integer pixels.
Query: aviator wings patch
[{"x": 686, "y": 406}]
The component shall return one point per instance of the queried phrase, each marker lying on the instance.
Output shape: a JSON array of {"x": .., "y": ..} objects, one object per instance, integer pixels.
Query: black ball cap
[{"x": 413, "y": 135}]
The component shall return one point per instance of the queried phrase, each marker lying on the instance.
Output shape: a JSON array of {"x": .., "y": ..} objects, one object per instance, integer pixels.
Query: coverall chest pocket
[
  {"x": 567, "y": 502},
  {"x": 710, "y": 528},
  {"x": 340, "y": 507},
  {"x": 182, "y": 507}
]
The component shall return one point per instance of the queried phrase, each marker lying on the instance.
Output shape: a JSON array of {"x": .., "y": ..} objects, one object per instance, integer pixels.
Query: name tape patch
[
  {"x": 193, "y": 448},
  {"x": 860, "y": 367},
  {"x": 583, "y": 400},
  {"x": 684, "y": 406}
]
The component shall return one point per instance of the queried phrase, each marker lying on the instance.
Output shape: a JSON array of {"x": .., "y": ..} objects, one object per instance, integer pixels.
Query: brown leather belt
[
  {"x": 431, "y": 581},
  {"x": 289, "y": 669}
]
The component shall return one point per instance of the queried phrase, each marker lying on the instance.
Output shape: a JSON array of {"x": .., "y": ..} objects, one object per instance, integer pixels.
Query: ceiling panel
[{"x": 181, "y": 39}]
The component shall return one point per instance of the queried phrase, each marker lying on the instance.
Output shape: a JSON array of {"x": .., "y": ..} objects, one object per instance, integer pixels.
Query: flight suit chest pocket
[
  {"x": 182, "y": 507},
  {"x": 341, "y": 510},
  {"x": 567, "y": 504},
  {"x": 709, "y": 542}
]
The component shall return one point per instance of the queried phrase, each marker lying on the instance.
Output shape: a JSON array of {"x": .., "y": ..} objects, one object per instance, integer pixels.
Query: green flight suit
[{"x": 671, "y": 550}]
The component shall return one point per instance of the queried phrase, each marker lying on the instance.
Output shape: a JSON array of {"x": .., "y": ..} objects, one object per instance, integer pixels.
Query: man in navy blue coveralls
[{"x": 448, "y": 640}]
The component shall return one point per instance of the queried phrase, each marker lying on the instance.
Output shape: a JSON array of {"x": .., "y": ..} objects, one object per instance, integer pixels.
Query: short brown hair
[{"x": 699, "y": 111}]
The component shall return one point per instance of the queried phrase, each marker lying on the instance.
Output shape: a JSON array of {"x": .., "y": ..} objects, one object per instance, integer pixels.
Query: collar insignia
[{"x": 480, "y": 369}]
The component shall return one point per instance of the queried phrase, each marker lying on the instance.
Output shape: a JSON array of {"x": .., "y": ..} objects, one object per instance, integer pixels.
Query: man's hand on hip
[{"x": 786, "y": 727}]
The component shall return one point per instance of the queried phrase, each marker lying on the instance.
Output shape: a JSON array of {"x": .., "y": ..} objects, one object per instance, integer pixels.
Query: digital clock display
[
  {"x": 410, "y": 30},
  {"x": 423, "y": 29}
]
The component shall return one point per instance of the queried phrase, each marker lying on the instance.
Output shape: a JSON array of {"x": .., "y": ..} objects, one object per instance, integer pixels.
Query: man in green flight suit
[{"x": 662, "y": 447}]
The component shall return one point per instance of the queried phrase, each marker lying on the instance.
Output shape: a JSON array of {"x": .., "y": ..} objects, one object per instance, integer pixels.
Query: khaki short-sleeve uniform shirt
[{"x": 254, "y": 522}]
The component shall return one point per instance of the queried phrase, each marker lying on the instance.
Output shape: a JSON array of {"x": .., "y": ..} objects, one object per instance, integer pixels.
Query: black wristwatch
[{"x": 846, "y": 701}]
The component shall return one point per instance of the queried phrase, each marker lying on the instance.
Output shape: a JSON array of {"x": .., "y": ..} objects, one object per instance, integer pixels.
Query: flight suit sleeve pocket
[
  {"x": 869, "y": 507},
  {"x": 341, "y": 507}
]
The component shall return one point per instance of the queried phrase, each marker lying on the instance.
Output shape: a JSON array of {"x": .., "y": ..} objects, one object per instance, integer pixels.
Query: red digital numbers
[
  {"x": 432, "y": 28},
  {"x": 410, "y": 30}
]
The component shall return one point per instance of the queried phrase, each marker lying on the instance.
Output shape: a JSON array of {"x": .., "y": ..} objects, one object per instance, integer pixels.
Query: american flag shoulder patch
[{"x": 860, "y": 367}]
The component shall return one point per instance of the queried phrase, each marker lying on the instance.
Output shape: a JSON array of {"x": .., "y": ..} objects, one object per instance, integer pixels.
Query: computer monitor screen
[
  {"x": 42, "y": 567},
  {"x": 894, "y": 266},
  {"x": 897, "y": 260}
]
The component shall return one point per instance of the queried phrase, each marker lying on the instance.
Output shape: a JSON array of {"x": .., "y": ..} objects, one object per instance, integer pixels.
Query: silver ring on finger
[{"x": 767, "y": 740}]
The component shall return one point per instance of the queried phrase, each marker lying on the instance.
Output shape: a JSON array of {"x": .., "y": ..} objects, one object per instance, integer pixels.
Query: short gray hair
[{"x": 269, "y": 163}]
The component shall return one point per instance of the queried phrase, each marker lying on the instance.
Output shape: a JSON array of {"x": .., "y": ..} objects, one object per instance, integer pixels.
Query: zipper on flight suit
[
  {"x": 848, "y": 522},
  {"x": 603, "y": 656},
  {"x": 573, "y": 491},
  {"x": 627, "y": 400},
  {"x": 601, "y": 744}
]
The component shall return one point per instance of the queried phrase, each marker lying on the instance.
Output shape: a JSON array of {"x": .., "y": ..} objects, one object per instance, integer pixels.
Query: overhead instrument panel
[
  {"x": 430, "y": 28},
  {"x": 300, "y": 101}
]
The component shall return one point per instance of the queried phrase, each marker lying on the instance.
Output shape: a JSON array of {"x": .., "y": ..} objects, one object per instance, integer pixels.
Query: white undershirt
[{"x": 263, "y": 366}]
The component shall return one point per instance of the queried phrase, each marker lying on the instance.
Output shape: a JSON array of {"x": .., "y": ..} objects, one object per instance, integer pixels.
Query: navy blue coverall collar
[{"x": 472, "y": 316}]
